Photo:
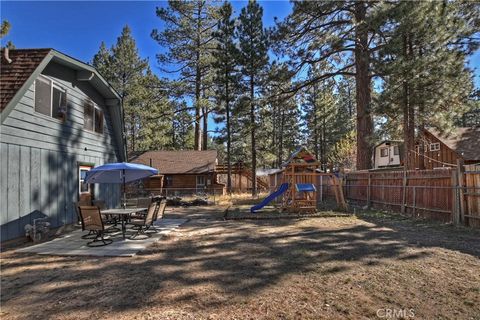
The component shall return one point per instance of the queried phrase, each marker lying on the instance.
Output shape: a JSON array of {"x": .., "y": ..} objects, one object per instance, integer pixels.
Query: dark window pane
[
  {"x": 98, "y": 121},
  {"x": 42, "y": 97},
  {"x": 88, "y": 115},
  {"x": 168, "y": 181},
  {"x": 59, "y": 104},
  {"x": 395, "y": 150},
  {"x": 383, "y": 152}
]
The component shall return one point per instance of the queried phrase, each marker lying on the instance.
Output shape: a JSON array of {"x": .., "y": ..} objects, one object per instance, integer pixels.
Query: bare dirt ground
[{"x": 318, "y": 268}]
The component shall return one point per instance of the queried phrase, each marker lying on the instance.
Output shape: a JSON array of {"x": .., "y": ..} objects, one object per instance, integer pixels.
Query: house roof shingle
[
  {"x": 13, "y": 75},
  {"x": 464, "y": 141},
  {"x": 179, "y": 162}
]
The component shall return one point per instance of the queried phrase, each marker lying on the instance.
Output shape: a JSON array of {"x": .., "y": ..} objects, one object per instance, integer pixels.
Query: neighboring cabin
[
  {"x": 181, "y": 172},
  {"x": 59, "y": 118},
  {"x": 434, "y": 149},
  {"x": 388, "y": 153}
]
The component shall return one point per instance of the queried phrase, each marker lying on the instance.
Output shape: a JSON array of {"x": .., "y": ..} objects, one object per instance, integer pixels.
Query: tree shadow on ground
[{"x": 236, "y": 258}]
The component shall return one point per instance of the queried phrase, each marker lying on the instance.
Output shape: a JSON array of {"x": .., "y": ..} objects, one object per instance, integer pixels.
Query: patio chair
[
  {"x": 92, "y": 221},
  {"x": 111, "y": 219},
  {"x": 141, "y": 203},
  {"x": 91, "y": 234},
  {"x": 158, "y": 214},
  {"x": 141, "y": 225}
]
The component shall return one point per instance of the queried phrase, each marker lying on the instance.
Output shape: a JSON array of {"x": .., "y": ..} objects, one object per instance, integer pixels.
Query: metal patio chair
[
  {"x": 158, "y": 214},
  {"x": 141, "y": 225},
  {"x": 92, "y": 221}
]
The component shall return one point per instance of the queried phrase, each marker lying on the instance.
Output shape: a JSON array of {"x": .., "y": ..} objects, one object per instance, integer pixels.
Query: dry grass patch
[{"x": 328, "y": 268}]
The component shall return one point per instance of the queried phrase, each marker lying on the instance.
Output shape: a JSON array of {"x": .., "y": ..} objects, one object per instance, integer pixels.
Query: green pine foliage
[
  {"x": 426, "y": 82},
  {"x": 341, "y": 75},
  {"x": 253, "y": 59},
  {"x": 189, "y": 42},
  {"x": 226, "y": 79},
  {"x": 144, "y": 101}
]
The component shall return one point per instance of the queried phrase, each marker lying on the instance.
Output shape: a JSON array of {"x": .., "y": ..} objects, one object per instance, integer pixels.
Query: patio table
[{"x": 123, "y": 214}]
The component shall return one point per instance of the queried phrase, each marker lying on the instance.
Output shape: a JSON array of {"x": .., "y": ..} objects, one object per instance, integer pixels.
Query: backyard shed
[{"x": 59, "y": 118}]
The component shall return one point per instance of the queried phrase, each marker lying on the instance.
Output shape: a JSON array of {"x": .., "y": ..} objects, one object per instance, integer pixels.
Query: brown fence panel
[
  {"x": 472, "y": 195},
  {"x": 425, "y": 193},
  {"x": 429, "y": 194}
]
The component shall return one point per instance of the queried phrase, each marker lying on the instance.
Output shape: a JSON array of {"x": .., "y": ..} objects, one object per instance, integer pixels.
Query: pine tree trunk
[
  {"x": 227, "y": 111},
  {"x": 315, "y": 124},
  {"x": 363, "y": 90},
  {"x": 198, "y": 79},
  {"x": 421, "y": 110},
  {"x": 253, "y": 125},
  {"x": 408, "y": 113},
  {"x": 280, "y": 138},
  {"x": 132, "y": 131},
  {"x": 205, "y": 129},
  {"x": 198, "y": 138}
]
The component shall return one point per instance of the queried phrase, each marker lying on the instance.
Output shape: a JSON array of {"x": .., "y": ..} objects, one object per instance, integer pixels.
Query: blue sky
[{"x": 77, "y": 28}]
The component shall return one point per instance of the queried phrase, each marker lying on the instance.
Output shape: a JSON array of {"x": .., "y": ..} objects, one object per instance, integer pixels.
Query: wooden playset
[{"x": 298, "y": 189}]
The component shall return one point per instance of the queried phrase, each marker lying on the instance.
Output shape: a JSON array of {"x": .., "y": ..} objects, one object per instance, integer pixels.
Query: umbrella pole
[{"x": 124, "y": 195}]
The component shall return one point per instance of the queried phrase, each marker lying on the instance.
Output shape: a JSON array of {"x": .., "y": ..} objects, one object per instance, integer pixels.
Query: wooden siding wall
[
  {"x": 39, "y": 157},
  {"x": 186, "y": 180},
  {"x": 434, "y": 159}
]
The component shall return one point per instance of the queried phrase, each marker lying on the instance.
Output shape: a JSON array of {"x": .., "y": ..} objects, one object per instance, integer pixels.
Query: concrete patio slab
[{"x": 72, "y": 244}]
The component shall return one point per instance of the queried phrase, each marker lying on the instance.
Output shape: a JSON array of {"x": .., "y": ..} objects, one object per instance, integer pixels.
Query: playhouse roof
[{"x": 301, "y": 155}]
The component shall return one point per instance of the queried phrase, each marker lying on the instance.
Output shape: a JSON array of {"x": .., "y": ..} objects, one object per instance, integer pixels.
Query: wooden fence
[
  {"x": 470, "y": 196},
  {"x": 446, "y": 194}
]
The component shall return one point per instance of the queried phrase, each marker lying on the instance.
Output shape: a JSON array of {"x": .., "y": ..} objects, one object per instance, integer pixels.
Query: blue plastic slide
[{"x": 281, "y": 190}]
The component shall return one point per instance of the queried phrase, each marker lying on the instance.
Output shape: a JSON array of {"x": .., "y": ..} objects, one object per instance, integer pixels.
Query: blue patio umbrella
[{"x": 121, "y": 172}]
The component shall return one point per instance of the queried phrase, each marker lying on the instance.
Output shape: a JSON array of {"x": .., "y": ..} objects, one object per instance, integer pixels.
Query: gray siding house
[{"x": 59, "y": 118}]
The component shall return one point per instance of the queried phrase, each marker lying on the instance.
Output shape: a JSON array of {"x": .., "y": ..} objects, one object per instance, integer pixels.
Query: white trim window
[
  {"x": 383, "y": 152},
  {"x": 82, "y": 186},
  {"x": 50, "y": 98},
  {"x": 435, "y": 146},
  {"x": 92, "y": 117}
]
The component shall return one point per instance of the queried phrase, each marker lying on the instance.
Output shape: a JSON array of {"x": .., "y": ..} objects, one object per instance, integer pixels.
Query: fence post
[
  {"x": 369, "y": 190},
  {"x": 414, "y": 200},
  {"x": 461, "y": 196},
  {"x": 321, "y": 188},
  {"x": 404, "y": 191},
  {"x": 455, "y": 198}
]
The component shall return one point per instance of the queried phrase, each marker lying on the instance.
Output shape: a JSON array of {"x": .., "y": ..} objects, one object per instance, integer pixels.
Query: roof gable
[
  {"x": 464, "y": 141},
  {"x": 15, "y": 74},
  {"x": 26, "y": 65},
  {"x": 179, "y": 162},
  {"x": 301, "y": 155}
]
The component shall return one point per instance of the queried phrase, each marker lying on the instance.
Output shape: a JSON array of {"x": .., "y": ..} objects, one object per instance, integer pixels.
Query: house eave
[{"x": 97, "y": 81}]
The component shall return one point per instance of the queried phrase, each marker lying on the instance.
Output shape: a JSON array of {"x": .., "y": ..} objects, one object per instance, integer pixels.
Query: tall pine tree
[
  {"x": 253, "y": 59},
  {"x": 189, "y": 42},
  {"x": 344, "y": 34},
  {"x": 226, "y": 76}
]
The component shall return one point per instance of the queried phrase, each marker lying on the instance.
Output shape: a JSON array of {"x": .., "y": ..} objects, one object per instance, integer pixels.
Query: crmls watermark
[{"x": 392, "y": 313}]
